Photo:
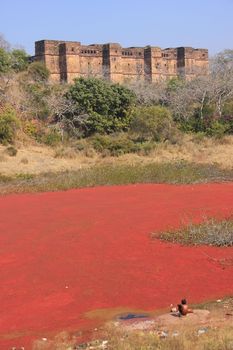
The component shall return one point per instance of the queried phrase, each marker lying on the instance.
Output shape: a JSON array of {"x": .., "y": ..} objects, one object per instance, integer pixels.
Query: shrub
[
  {"x": 38, "y": 72},
  {"x": 11, "y": 151},
  {"x": 217, "y": 129},
  {"x": 8, "y": 125},
  {"x": 52, "y": 137},
  {"x": 19, "y": 60},
  {"x": 4, "y": 61},
  {"x": 210, "y": 232},
  {"x": 31, "y": 128},
  {"x": 152, "y": 123},
  {"x": 114, "y": 145},
  {"x": 108, "y": 106}
]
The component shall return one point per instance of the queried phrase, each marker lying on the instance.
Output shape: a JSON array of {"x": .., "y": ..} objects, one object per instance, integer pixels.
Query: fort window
[
  {"x": 72, "y": 49},
  {"x": 139, "y": 53},
  {"x": 115, "y": 51}
]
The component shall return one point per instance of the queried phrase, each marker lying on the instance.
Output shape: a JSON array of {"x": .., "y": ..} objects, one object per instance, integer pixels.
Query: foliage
[
  {"x": 4, "y": 61},
  {"x": 210, "y": 232},
  {"x": 118, "y": 174},
  {"x": 154, "y": 122},
  {"x": 36, "y": 99},
  {"x": 51, "y": 137},
  {"x": 19, "y": 60},
  {"x": 38, "y": 72},
  {"x": 15, "y": 60},
  {"x": 217, "y": 129},
  {"x": 114, "y": 145},
  {"x": 8, "y": 124},
  {"x": 108, "y": 106}
]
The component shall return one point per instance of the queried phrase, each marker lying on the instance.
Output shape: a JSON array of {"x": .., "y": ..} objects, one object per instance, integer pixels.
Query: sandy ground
[{"x": 34, "y": 159}]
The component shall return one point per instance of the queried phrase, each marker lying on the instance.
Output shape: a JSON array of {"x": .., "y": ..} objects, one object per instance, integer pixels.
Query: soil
[{"x": 72, "y": 260}]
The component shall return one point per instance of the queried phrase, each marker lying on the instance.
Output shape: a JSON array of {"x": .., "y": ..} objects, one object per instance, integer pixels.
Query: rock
[{"x": 202, "y": 331}]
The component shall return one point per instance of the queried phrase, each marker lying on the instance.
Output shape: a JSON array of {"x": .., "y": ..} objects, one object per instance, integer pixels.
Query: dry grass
[
  {"x": 211, "y": 232},
  {"x": 42, "y": 159}
]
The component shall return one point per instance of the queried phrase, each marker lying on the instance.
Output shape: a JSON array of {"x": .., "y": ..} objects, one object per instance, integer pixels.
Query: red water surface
[{"x": 65, "y": 253}]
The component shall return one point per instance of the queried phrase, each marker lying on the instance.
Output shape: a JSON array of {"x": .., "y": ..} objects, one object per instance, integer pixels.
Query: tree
[
  {"x": 4, "y": 43},
  {"x": 222, "y": 79},
  {"x": 19, "y": 60},
  {"x": 106, "y": 106}
]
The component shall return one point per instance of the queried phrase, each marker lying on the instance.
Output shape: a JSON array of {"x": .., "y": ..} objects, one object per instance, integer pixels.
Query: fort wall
[{"x": 67, "y": 60}]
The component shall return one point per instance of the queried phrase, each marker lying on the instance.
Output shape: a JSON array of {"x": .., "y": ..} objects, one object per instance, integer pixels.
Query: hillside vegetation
[{"x": 48, "y": 127}]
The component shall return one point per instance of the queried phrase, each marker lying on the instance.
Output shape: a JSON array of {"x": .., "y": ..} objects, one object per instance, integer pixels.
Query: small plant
[
  {"x": 65, "y": 152},
  {"x": 8, "y": 125},
  {"x": 51, "y": 138},
  {"x": 24, "y": 161},
  {"x": 11, "y": 151},
  {"x": 210, "y": 232}
]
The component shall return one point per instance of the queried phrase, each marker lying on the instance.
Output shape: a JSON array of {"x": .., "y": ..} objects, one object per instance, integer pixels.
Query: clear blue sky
[{"x": 165, "y": 23}]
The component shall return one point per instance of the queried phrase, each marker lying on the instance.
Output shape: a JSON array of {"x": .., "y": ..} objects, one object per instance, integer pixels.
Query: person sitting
[{"x": 182, "y": 309}]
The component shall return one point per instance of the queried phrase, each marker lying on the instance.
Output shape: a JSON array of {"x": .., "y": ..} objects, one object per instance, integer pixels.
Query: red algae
[{"x": 64, "y": 254}]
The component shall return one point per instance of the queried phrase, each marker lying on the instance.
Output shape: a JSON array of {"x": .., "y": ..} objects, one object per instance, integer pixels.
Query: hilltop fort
[{"x": 67, "y": 60}]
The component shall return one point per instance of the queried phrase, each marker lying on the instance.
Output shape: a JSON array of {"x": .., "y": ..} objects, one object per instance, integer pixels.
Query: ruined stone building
[{"x": 67, "y": 60}]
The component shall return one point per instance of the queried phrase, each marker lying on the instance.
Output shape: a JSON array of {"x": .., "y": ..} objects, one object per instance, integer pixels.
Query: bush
[
  {"x": 5, "y": 61},
  {"x": 217, "y": 129},
  {"x": 210, "y": 232},
  {"x": 19, "y": 60},
  {"x": 11, "y": 151},
  {"x": 107, "y": 105},
  {"x": 8, "y": 125},
  {"x": 38, "y": 72},
  {"x": 152, "y": 123},
  {"x": 114, "y": 145},
  {"x": 51, "y": 138}
]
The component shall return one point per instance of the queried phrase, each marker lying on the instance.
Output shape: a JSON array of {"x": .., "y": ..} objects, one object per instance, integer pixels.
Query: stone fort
[{"x": 67, "y": 60}]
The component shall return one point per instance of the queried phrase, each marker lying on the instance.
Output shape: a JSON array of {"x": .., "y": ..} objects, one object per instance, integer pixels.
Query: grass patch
[
  {"x": 174, "y": 173},
  {"x": 211, "y": 232},
  {"x": 114, "y": 338}
]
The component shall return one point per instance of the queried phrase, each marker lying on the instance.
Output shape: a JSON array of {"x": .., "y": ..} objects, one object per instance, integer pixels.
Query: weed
[{"x": 210, "y": 232}]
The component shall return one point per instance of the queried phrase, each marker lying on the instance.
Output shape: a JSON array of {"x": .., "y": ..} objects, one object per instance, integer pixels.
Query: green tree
[
  {"x": 19, "y": 60},
  {"x": 108, "y": 106}
]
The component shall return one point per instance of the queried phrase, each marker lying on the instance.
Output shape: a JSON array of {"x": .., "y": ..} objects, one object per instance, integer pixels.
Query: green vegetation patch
[
  {"x": 174, "y": 173},
  {"x": 211, "y": 232}
]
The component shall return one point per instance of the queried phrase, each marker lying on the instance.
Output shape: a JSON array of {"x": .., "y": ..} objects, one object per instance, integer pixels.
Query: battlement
[{"x": 67, "y": 60}]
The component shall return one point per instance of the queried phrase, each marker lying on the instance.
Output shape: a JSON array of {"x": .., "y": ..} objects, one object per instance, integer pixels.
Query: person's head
[{"x": 183, "y": 302}]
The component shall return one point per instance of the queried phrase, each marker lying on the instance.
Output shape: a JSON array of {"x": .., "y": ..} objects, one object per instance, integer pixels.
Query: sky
[{"x": 164, "y": 23}]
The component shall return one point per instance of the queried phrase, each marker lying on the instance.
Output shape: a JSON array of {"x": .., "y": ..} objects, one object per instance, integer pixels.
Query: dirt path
[{"x": 64, "y": 254}]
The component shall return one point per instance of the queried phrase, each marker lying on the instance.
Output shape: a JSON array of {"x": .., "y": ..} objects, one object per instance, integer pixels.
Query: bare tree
[
  {"x": 64, "y": 112},
  {"x": 221, "y": 79}
]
